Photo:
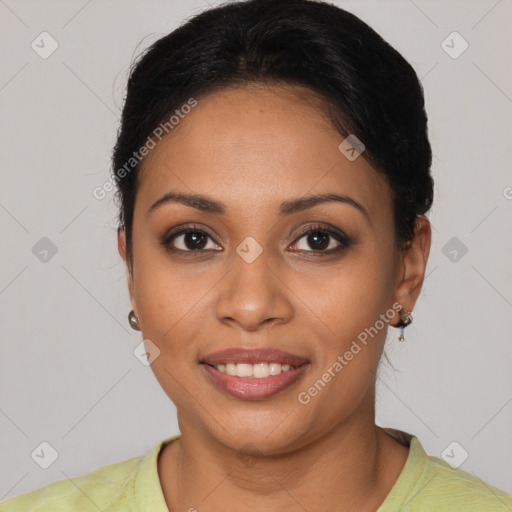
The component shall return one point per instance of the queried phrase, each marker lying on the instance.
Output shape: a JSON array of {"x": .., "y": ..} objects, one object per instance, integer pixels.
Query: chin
[{"x": 272, "y": 431}]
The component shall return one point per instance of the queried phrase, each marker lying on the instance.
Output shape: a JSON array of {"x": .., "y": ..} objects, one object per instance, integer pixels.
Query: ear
[
  {"x": 121, "y": 247},
  {"x": 413, "y": 263}
]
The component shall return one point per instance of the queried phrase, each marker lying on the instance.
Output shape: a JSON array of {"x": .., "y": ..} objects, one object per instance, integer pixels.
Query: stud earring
[
  {"x": 134, "y": 321},
  {"x": 405, "y": 320}
]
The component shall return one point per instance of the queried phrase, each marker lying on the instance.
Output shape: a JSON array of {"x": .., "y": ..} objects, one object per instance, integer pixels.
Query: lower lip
[{"x": 251, "y": 388}]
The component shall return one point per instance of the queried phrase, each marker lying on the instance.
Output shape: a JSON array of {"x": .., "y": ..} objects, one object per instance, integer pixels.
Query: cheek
[
  {"x": 168, "y": 306},
  {"x": 172, "y": 313},
  {"x": 350, "y": 296},
  {"x": 163, "y": 290},
  {"x": 347, "y": 361}
]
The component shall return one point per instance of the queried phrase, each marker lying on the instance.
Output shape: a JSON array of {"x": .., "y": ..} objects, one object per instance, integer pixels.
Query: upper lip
[{"x": 252, "y": 356}]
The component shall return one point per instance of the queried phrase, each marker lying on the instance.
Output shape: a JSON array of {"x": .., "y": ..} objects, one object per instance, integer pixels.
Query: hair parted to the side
[{"x": 368, "y": 88}]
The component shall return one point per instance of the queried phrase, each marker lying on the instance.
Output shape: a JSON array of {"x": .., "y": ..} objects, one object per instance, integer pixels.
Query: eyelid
[
  {"x": 320, "y": 226},
  {"x": 186, "y": 226}
]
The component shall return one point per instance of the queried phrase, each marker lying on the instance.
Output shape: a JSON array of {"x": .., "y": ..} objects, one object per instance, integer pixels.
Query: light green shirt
[{"x": 426, "y": 483}]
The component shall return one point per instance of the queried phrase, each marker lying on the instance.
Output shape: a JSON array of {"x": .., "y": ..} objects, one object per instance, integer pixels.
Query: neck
[{"x": 353, "y": 467}]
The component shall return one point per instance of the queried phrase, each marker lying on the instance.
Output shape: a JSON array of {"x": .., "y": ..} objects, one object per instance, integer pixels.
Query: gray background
[{"x": 68, "y": 375}]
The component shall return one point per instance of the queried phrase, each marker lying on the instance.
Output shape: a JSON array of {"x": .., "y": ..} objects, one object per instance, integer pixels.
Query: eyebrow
[{"x": 209, "y": 205}]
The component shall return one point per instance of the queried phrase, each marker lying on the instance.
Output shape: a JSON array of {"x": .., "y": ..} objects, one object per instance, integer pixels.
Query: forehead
[{"x": 258, "y": 143}]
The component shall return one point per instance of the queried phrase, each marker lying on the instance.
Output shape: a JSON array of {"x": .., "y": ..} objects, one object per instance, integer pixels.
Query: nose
[{"x": 253, "y": 295}]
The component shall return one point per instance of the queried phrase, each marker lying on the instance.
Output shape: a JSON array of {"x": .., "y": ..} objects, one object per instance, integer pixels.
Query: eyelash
[{"x": 343, "y": 240}]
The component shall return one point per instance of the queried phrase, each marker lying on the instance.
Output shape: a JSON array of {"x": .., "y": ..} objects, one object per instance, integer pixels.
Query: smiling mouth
[{"x": 253, "y": 374}]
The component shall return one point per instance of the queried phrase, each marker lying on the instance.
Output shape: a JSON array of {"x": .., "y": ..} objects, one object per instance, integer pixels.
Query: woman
[{"x": 273, "y": 168}]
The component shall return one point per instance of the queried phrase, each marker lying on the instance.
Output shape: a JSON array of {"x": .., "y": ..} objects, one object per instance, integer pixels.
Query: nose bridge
[{"x": 252, "y": 293}]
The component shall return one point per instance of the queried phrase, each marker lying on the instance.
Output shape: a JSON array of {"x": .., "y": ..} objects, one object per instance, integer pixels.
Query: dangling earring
[
  {"x": 134, "y": 321},
  {"x": 405, "y": 320}
]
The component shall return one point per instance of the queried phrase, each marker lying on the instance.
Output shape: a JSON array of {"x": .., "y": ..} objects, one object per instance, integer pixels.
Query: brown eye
[
  {"x": 322, "y": 240},
  {"x": 190, "y": 240}
]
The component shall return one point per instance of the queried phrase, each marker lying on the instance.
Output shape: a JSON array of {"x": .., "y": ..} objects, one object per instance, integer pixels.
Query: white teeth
[
  {"x": 275, "y": 368},
  {"x": 244, "y": 370},
  {"x": 258, "y": 370}
]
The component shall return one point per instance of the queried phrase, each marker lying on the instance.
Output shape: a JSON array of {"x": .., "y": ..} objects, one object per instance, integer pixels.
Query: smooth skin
[{"x": 253, "y": 147}]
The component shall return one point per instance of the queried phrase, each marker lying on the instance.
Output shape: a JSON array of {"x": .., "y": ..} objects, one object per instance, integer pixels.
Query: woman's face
[{"x": 247, "y": 276}]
